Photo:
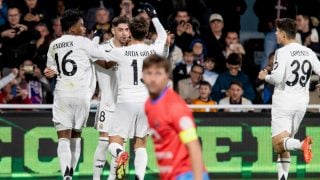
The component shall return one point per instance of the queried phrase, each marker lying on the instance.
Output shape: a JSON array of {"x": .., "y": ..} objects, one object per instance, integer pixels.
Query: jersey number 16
[{"x": 65, "y": 60}]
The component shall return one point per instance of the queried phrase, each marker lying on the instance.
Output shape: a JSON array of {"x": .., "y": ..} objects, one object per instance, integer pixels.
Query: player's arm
[
  {"x": 315, "y": 64},
  {"x": 279, "y": 69},
  {"x": 161, "y": 39},
  {"x": 184, "y": 124},
  {"x": 105, "y": 64},
  {"x": 51, "y": 69},
  {"x": 196, "y": 158}
]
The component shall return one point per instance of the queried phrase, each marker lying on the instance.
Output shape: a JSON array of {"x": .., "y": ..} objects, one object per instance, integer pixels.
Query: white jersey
[
  {"x": 107, "y": 80},
  {"x": 70, "y": 57},
  {"x": 130, "y": 60},
  {"x": 292, "y": 69}
]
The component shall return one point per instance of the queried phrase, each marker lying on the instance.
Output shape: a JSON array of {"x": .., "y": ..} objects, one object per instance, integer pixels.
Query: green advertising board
[{"x": 234, "y": 145}]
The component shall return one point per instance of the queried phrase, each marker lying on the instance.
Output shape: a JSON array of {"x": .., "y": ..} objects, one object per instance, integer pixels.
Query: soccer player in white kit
[
  {"x": 108, "y": 89},
  {"x": 129, "y": 120},
  {"x": 291, "y": 74},
  {"x": 69, "y": 58}
]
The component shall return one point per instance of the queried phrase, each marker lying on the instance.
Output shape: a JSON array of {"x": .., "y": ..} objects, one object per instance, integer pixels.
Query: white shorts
[
  {"x": 70, "y": 113},
  {"x": 286, "y": 120},
  {"x": 102, "y": 119},
  {"x": 128, "y": 121}
]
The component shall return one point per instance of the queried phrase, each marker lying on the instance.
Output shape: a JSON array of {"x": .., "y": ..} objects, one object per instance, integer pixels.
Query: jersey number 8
[{"x": 65, "y": 60}]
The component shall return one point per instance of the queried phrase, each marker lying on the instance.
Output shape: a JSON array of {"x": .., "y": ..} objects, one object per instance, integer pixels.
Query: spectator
[
  {"x": 33, "y": 13},
  {"x": 57, "y": 30},
  {"x": 307, "y": 35},
  {"x": 209, "y": 75},
  {"x": 233, "y": 45},
  {"x": 18, "y": 41},
  {"x": 199, "y": 50},
  {"x": 183, "y": 68},
  {"x": 204, "y": 98},
  {"x": 231, "y": 10},
  {"x": 233, "y": 73},
  {"x": 175, "y": 52},
  {"x": 126, "y": 7},
  {"x": 235, "y": 92},
  {"x": 31, "y": 79},
  {"x": 102, "y": 20},
  {"x": 60, "y": 8},
  {"x": 3, "y": 12},
  {"x": 13, "y": 94},
  {"x": 215, "y": 37},
  {"x": 185, "y": 28},
  {"x": 42, "y": 44},
  {"x": 188, "y": 88}
]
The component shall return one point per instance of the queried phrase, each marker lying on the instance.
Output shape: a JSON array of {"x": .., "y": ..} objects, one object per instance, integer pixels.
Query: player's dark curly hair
[{"x": 69, "y": 18}]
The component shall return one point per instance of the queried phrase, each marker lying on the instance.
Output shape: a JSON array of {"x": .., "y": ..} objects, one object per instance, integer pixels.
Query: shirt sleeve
[
  {"x": 94, "y": 51},
  {"x": 315, "y": 64},
  {"x": 50, "y": 59},
  {"x": 279, "y": 69},
  {"x": 183, "y": 123},
  {"x": 161, "y": 38}
]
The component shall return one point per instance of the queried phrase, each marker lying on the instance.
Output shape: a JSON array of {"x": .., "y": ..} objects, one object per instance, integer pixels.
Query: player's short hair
[
  {"x": 69, "y": 18},
  {"x": 139, "y": 28},
  {"x": 158, "y": 61},
  {"x": 120, "y": 20},
  {"x": 288, "y": 26},
  {"x": 205, "y": 83},
  {"x": 234, "y": 59},
  {"x": 236, "y": 83}
]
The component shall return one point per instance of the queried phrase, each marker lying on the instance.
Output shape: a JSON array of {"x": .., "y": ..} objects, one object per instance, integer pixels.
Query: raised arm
[{"x": 160, "y": 42}]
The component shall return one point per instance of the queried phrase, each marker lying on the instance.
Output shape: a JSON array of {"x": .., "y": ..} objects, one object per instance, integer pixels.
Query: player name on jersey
[
  {"x": 139, "y": 53},
  {"x": 63, "y": 45},
  {"x": 299, "y": 53}
]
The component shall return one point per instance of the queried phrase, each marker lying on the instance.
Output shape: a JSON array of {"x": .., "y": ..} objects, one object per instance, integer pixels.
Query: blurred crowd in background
[{"x": 210, "y": 65}]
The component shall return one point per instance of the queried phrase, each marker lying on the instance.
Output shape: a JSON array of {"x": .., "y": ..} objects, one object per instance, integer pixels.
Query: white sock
[
  {"x": 64, "y": 155},
  {"x": 100, "y": 157},
  {"x": 140, "y": 162},
  {"x": 290, "y": 144},
  {"x": 75, "y": 146},
  {"x": 113, "y": 167},
  {"x": 115, "y": 149},
  {"x": 283, "y": 166}
]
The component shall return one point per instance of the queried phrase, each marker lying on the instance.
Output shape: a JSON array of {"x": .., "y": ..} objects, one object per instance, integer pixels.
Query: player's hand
[
  {"x": 262, "y": 74},
  {"x": 49, "y": 73},
  {"x": 150, "y": 10}
]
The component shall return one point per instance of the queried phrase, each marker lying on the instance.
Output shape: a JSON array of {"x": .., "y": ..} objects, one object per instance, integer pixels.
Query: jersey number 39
[
  {"x": 303, "y": 78},
  {"x": 65, "y": 60}
]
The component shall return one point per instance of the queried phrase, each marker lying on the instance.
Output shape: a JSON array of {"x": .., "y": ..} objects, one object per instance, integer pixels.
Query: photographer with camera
[
  {"x": 186, "y": 29},
  {"x": 18, "y": 41},
  {"x": 31, "y": 79}
]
